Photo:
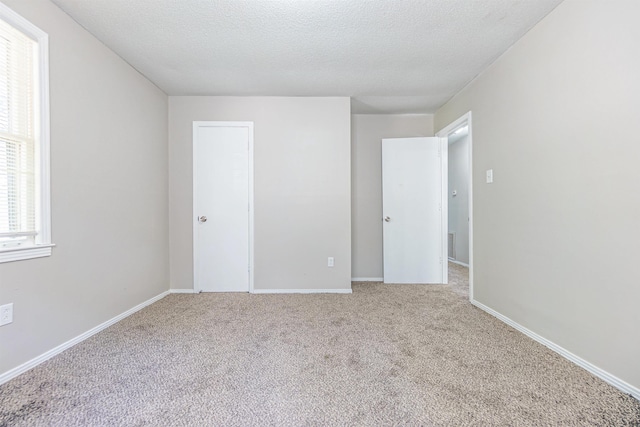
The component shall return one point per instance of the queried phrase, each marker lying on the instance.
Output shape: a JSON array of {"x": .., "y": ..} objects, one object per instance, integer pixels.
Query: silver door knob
[
  {"x": 387, "y": 219},
  {"x": 202, "y": 218}
]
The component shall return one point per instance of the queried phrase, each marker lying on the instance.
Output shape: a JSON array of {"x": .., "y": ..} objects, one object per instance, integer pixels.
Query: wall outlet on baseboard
[
  {"x": 330, "y": 262},
  {"x": 6, "y": 314}
]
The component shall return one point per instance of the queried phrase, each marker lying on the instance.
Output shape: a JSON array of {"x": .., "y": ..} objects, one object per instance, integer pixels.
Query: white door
[
  {"x": 222, "y": 206},
  {"x": 413, "y": 220}
]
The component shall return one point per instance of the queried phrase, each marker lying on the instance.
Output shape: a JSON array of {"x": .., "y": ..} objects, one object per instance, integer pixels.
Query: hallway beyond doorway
[{"x": 459, "y": 279}]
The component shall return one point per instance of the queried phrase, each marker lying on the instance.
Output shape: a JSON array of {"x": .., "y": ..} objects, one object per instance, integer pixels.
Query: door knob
[
  {"x": 202, "y": 218},
  {"x": 387, "y": 219}
]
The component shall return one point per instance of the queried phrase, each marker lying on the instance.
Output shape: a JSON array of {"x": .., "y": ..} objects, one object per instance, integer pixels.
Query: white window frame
[{"x": 43, "y": 245}]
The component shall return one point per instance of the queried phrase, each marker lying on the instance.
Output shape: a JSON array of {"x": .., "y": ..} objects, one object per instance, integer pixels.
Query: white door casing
[
  {"x": 414, "y": 210},
  {"x": 223, "y": 206}
]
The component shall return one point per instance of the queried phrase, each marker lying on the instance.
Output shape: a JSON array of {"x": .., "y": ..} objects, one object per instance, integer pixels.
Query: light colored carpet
[
  {"x": 385, "y": 355},
  {"x": 459, "y": 279}
]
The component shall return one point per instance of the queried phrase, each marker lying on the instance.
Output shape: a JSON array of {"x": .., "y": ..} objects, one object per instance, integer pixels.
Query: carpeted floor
[
  {"x": 385, "y": 355},
  {"x": 459, "y": 279}
]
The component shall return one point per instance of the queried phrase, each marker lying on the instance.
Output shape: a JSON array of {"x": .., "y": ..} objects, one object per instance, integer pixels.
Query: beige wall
[
  {"x": 557, "y": 235},
  {"x": 109, "y": 196},
  {"x": 302, "y": 187},
  {"x": 367, "y": 131}
]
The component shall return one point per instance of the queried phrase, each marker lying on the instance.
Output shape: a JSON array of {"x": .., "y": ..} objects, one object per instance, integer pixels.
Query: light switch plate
[
  {"x": 6, "y": 314},
  {"x": 489, "y": 176}
]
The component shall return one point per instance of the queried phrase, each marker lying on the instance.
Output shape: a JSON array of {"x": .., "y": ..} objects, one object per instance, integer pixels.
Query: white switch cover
[
  {"x": 6, "y": 314},
  {"x": 330, "y": 262},
  {"x": 489, "y": 176}
]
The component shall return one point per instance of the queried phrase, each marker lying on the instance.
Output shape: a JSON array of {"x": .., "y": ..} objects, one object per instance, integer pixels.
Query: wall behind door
[
  {"x": 367, "y": 132},
  {"x": 302, "y": 187},
  {"x": 459, "y": 204}
]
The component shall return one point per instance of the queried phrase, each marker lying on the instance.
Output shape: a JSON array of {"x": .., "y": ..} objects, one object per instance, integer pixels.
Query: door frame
[
  {"x": 444, "y": 133},
  {"x": 194, "y": 214},
  {"x": 444, "y": 208}
]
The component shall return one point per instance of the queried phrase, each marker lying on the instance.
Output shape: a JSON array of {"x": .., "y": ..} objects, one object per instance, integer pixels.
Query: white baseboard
[
  {"x": 600, "y": 373},
  {"x": 302, "y": 291},
  {"x": 12, "y": 373},
  {"x": 367, "y": 279},
  {"x": 276, "y": 291},
  {"x": 458, "y": 262}
]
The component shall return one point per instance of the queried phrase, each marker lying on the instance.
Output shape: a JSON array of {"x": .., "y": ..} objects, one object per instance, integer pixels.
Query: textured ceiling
[{"x": 389, "y": 55}]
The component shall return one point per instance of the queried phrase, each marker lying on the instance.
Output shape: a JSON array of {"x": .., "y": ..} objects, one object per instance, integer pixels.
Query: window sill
[{"x": 28, "y": 252}]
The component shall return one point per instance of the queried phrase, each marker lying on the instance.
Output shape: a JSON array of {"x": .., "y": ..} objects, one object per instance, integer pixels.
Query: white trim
[
  {"x": 12, "y": 373},
  {"x": 17, "y": 21},
  {"x": 249, "y": 125},
  {"x": 44, "y": 235},
  {"x": 194, "y": 214},
  {"x": 251, "y": 202},
  {"x": 598, "y": 372},
  {"x": 458, "y": 262},
  {"x": 444, "y": 133},
  {"x": 301, "y": 291},
  {"x": 26, "y": 252},
  {"x": 43, "y": 245},
  {"x": 367, "y": 279},
  {"x": 182, "y": 291},
  {"x": 444, "y": 207}
]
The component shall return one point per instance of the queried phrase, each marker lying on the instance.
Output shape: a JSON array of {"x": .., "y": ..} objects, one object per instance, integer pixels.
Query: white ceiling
[{"x": 391, "y": 56}]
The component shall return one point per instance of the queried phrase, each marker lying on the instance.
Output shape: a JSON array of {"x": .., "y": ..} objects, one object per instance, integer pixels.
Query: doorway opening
[{"x": 459, "y": 204}]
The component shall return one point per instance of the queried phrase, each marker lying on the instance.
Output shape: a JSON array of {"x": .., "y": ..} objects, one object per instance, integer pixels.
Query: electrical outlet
[
  {"x": 6, "y": 314},
  {"x": 330, "y": 262}
]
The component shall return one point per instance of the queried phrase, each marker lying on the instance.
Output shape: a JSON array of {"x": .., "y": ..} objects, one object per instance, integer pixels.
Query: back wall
[
  {"x": 302, "y": 200},
  {"x": 367, "y": 132}
]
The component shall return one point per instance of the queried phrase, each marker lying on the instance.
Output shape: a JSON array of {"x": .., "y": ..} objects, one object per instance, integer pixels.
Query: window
[{"x": 24, "y": 139}]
